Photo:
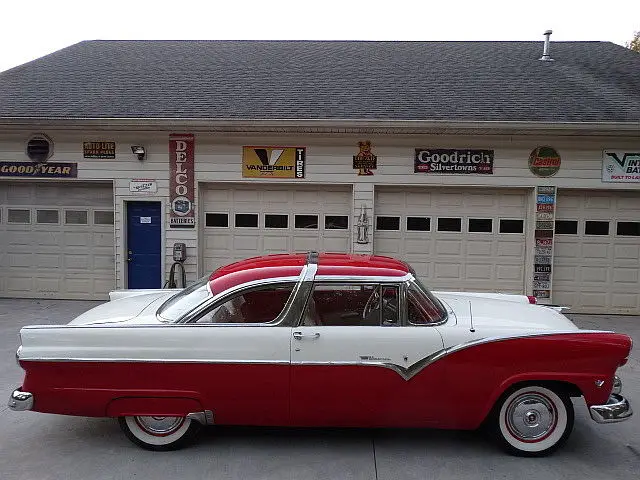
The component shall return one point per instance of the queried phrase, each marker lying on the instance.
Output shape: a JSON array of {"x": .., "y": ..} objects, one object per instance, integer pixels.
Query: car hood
[
  {"x": 503, "y": 314},
  {"x": 138, "y": 309}
]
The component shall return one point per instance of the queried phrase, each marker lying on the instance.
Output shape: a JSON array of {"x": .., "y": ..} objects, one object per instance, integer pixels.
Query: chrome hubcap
[
  {"x": 531, "y": 417},
  {"x": 160, "y": 426}
]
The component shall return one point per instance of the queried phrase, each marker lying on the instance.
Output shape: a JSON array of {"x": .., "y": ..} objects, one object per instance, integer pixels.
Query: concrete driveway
[{"x": 39, "y": 446}]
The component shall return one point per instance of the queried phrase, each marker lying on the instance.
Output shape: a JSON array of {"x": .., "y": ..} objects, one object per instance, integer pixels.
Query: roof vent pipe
[{"x": 545, "y": 54}]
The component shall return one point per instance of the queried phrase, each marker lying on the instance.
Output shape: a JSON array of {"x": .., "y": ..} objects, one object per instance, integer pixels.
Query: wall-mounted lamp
[{"x": 139, "y": 151}]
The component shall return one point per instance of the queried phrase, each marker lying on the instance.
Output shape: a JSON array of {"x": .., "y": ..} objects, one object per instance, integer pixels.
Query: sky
[{"x": 33, "y": 28}]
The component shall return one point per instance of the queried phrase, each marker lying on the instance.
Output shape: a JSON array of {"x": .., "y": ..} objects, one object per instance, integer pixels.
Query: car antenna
[{"x": 472, "y": 330}]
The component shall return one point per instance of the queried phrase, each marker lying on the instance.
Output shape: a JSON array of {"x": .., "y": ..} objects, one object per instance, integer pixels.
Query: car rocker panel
[{"x": 328, "y": 340}]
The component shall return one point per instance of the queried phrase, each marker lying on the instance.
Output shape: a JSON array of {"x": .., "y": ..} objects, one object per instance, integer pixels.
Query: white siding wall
[{"x": 329, "y": 161}]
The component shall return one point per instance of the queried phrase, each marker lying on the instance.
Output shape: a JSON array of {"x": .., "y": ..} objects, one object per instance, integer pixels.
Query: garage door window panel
[
  {"x": 253, "y": 306},
  {"x": 47, "y": 216},
  {"x": 306, "y": 221},
  {"x": 418, "y": 224},
  {"x": 218, "y": 220},
  {"x": 273, "y": 220},
  {"x": 18, "y": 215},
  {"x": 566, "y": 227},
  {"x": 510, "y": 225},
  {"x": 628, "y": 229},
  {"x": 352, "y": 305},
  {"x": 76, "y": 217},
  {"x": 480, "y": 225},
  {"x": 246, "y": 220},
  {"x": 336, "y": 222},
  {"x": 103, "y": 217},
  {"x": 596, "y": 227},
  {"x": 450, "y": 224},
  {"x": 387, "y": 223}
]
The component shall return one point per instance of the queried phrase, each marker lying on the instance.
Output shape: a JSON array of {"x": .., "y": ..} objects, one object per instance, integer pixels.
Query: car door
[
  {"x": 356, "y": 361},
  {"x": 246, "y": 347}
]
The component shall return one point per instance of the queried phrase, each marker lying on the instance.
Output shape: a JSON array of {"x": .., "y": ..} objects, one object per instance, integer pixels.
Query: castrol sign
[{"x": 181, "y": 160}]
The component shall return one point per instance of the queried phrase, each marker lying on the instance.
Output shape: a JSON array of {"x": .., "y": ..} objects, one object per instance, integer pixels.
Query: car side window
[
  {"x": 257, "y": 305},
  {"x": 350, "y": 304},
  {"x": 420, "y": 309}
]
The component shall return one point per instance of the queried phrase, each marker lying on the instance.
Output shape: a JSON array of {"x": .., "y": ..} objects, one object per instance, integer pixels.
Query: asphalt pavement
[{"x": 42, "y": 447}]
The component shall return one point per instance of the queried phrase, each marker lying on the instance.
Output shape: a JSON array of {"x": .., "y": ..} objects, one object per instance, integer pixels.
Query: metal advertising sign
[
  {"x": 273, "y": 162},
  {"x": 143, "y": 186},
  {"x": 543, "y": 250},
  {"x": 620, "y": 166},
  {"x": 181, "y": 181},
  {"x": 544, "y": 161},
  {"x": 455, "y": 161},
  {"x": 38, "y": 170},
  {"x": 99, "y": 149},
  {"x": 365, "y": 161}
]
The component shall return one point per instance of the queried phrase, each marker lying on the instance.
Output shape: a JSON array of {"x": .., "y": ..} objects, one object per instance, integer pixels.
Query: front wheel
[
  {"x": 159, "y": 433},
  {"x": 533, "y": 421}
]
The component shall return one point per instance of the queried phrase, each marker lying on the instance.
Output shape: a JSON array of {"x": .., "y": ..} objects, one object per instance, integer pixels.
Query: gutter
[{"x": 335, "y": 126}]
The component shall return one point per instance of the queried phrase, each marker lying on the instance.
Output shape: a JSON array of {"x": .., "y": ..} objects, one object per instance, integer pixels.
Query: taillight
[{"x": 532, "y": 300}]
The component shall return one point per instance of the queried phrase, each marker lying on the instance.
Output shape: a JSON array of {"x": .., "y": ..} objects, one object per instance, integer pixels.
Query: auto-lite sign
[
  {"x": 38, "y": 170},
  {"x": 273, "y": 162},
  {"x": 181, "y": 181},
  {"x": 438, "y": 160},
  {"x": 99, "y": 149},
  {"x": 621, "y": 166},
  {"x": 543, "y": 250}
]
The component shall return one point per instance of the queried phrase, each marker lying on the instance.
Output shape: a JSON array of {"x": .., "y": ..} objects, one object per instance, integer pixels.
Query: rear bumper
[
  {"x": 20, "y": 401},
  {"x": 617, "y": 409}
]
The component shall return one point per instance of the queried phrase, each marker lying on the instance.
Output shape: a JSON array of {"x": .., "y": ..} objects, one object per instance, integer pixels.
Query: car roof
[{"x": 291, "y": 265}]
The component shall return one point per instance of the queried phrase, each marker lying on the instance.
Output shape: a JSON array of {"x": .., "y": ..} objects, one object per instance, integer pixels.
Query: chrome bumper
[
  {"x": 20, "y": 401},
  {"x": 617, "y": 409}
]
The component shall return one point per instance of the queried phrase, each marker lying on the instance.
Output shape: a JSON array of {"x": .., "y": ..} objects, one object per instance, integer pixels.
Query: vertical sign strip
[
  {"x": 545, "y": 222},
  {"x": 181, "y": 182}
]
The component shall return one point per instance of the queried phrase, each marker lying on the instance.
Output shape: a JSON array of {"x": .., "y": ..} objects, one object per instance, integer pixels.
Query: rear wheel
[
  {"x": 533, "y": 421},
  {"x": 159, "y": 433}
]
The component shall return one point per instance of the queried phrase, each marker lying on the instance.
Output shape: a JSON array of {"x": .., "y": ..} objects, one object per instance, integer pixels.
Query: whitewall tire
[
  {"x": 159, "y": 433},
  {"x": 533, "y": 420}
]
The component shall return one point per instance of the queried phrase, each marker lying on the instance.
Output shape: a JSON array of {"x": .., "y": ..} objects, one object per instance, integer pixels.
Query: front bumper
[
  {"x": 20, "y": 401},
  {"x": 617, "y": 409}
]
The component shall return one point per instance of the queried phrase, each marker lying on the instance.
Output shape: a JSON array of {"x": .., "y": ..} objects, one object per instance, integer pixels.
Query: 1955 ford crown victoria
[{"x": 323, "y": 340}]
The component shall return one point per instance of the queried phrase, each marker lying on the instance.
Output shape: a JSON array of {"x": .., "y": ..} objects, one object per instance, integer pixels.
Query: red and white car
[{"x": 323, "y": 340}]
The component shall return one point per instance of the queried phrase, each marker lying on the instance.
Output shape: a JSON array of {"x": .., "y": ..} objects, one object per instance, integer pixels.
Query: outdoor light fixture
[{"x": 139, "y": 151}]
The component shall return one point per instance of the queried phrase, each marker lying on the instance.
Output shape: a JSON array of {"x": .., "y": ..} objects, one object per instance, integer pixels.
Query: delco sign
[
  {"x": 181, "y": 181},
  {"x": 453, "y": 161}
]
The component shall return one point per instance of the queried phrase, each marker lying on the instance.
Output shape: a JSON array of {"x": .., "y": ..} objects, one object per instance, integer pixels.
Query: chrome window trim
[
  {"x": 222, "y": 296},
  {"x": 433, "y": 324}
]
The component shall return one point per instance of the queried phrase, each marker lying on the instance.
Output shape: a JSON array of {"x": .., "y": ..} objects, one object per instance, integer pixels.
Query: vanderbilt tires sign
[{"x": 273, "y": 162}]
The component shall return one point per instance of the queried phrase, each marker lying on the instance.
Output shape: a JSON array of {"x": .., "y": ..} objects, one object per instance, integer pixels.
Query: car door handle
[{"x": 300, "y": 335}]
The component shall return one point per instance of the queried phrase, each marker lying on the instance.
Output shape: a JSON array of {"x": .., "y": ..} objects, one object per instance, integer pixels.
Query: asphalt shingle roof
[{"x": 307, "y": 80}]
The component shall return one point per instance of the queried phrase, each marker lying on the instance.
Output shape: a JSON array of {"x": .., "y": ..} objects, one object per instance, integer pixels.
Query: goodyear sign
[
  {"x": 273, "y": 162},
  {"x": 38, "y": 170}
]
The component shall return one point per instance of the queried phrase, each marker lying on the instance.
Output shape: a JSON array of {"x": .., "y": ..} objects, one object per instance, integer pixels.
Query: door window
[
  {"x": 257, "y": 305},
  {"x": 352, "y": 305}
]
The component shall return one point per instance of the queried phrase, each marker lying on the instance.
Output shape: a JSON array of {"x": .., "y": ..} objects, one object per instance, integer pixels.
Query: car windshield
[{"x": 184, "y": 301}]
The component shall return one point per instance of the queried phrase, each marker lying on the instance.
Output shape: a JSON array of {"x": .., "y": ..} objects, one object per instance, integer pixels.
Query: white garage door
[
  {"x": 242, "y": 221},
  {"x": 455, "y": 239},
  {"x": 596, "y": 265},
  {"x": 56, "y": 240}
]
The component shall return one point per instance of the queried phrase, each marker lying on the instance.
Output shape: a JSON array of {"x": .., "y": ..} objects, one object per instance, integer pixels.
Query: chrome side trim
[
  {"x": 160, "y": 360},
  {"x": 204, "y": 418},
  {"x": 20, "y": 401},
  {"x": 617, "y": 409},
  {"x": 363, "y": 279}
]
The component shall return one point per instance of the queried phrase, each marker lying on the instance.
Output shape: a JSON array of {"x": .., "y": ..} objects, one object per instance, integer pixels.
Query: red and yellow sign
[{"x": 273, "y": 162}]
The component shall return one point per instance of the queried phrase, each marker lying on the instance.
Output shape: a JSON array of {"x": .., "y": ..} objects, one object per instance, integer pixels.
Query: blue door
[{"x": 143, "y": 245}]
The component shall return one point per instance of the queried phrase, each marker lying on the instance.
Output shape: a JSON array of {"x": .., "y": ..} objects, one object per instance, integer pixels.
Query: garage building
[{"x": 485, "y": 166}]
